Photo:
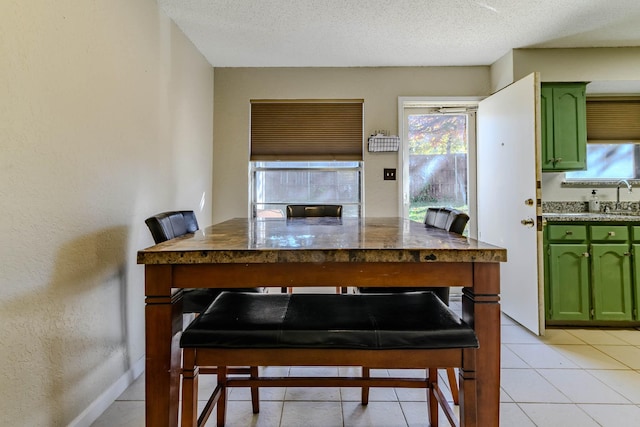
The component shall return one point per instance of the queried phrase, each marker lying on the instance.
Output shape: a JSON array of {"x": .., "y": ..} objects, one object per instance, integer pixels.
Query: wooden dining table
[{"x": 312, "y": 252}]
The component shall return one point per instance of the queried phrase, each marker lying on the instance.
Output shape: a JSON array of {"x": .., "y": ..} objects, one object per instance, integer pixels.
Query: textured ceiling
[{"x": 352, "y": 33}]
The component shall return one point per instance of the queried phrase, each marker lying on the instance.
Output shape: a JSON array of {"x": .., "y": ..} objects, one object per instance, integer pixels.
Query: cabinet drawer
[
  {"x": 567, "y": 233},
  {"x": 635, "y": 231},
  {"x": 610, "y": 233}
]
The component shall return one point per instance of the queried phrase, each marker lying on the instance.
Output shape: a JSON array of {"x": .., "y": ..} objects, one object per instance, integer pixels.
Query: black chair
[
  {"x": 453, "y": 221},
  {"x": 306, "y": 211},
  {"x": 309, "y": 211},
  {"x": 169, "y": 225},
  {"x": 448, "y": 219}
]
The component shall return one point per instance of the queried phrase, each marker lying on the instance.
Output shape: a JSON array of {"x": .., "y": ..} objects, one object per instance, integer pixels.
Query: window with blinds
[
  {"x": 613, "y": 136},
  {"x": 305, "y": 152},
  {"x": 306, "y": 130}
]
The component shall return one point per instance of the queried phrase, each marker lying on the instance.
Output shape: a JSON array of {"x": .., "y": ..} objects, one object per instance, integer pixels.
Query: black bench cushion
[{"x": 416, "y": 320}]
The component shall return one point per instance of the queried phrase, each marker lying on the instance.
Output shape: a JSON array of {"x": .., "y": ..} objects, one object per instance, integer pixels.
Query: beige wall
[
  {"x": 614, "y": 68},
  {"x": 106, "y": 119},
  {"x": 380, "y": 89},
  {"x": 578, "y": 65}
]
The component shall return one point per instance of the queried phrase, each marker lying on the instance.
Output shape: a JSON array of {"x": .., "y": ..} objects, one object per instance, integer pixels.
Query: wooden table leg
[
  {"x": 481, "y": 310},
  {"x": 163, "y": 325}
]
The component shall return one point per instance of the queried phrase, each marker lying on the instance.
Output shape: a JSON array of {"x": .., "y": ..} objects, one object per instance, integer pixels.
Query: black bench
[{"x": 409, "y": 330}]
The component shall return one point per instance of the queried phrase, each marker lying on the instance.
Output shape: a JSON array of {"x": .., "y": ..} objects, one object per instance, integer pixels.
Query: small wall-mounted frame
[{"x": 383, "y": 143}]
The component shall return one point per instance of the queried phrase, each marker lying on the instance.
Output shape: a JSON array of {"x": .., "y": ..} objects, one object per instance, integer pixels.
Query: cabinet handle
[
  {"x": 557, "y": 160},
  {"x": 568, "y": 232},
  {"x": 627, "y": 254},
  {"x": 585, "y": 254},
  {"x": 611, "y": 233}
]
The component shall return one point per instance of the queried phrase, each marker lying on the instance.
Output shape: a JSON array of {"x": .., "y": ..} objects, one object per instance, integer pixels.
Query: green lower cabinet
[
  {"x": 592, "y": 273},
  {"x": 636, "y": 277},
  {"x": 611, "y": 281},
  {"x": 568, "y": 277}
]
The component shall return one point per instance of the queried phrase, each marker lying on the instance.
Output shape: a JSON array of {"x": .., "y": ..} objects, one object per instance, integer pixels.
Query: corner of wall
[{"x": 501, "y": 72}]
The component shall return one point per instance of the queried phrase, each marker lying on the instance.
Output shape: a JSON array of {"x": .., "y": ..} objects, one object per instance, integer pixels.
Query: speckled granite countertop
[
  {"x": 318, "y": 240},
  {"x": 578, "y": 212}
]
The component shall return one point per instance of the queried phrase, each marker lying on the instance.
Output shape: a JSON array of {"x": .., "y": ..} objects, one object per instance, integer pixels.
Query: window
[
  {"x": 437, "y": 162},
  {"x": 613, "y": 140},
  {"x": 609, "y": 162},
  {"x": 306, "y": 152},
  {"x": 276, "y": 184},
  {"x": 438, "y": 148}
]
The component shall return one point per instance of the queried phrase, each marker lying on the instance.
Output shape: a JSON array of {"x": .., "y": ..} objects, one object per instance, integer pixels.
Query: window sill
[{"x": 599, "y": 183}]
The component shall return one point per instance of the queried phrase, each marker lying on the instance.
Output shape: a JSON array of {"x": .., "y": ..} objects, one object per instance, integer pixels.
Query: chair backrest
[
  {"x": 441, "y": 218},
  {"x": 168, "y": 225},
  {"x": 302, "y": 211},
  {"x": 448, "y": 219},
  {"x": 430, "y": 218},
  {"x": 457, "y": 221}
]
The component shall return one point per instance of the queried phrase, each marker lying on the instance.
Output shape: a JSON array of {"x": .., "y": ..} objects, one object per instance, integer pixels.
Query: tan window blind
[
  {"x": 306, "y": 130},
  {"x": 613, "y": 119}
]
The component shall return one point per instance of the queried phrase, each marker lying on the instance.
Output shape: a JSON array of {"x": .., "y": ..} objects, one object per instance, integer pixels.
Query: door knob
[{"x": 529, "y": 222}]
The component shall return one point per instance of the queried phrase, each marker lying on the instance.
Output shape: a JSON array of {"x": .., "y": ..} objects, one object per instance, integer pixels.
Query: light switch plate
[{"x": 389, "y": 174}]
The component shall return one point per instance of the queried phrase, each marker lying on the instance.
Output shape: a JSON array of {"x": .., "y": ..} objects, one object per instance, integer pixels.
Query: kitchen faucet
[{"x": 625, "y": 182}]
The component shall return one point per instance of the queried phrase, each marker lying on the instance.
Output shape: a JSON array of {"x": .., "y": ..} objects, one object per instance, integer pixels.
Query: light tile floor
[{"x": 569, "y": 377}]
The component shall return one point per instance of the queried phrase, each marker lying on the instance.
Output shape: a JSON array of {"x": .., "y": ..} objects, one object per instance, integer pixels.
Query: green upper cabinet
[{"x": 564, "y": 126}]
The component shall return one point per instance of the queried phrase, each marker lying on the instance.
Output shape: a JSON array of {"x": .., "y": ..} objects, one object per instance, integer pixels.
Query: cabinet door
[
  {"x": 569, "y": 127},
  {"x": 546, "y": 127},
  {"x": 568, "y": 282},
  {"x": 611, "y": 281},
  {"x": 636, "y": 276}
]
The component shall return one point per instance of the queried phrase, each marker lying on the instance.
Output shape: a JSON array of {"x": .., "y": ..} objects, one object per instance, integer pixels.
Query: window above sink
[
  {"x": 613, "y": 143},
  {"x": 609, "y": 162}
]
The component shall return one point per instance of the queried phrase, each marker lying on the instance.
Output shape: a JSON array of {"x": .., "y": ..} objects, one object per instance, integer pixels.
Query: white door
[{"x": 508, "y": 195}]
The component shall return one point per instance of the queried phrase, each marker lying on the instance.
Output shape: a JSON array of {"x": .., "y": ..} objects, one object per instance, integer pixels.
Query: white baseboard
[{"x": 98, "y": 406}]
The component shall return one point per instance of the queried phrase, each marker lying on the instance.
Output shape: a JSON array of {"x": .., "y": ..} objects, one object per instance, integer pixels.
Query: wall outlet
[{"x": 389, "y": 174}]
